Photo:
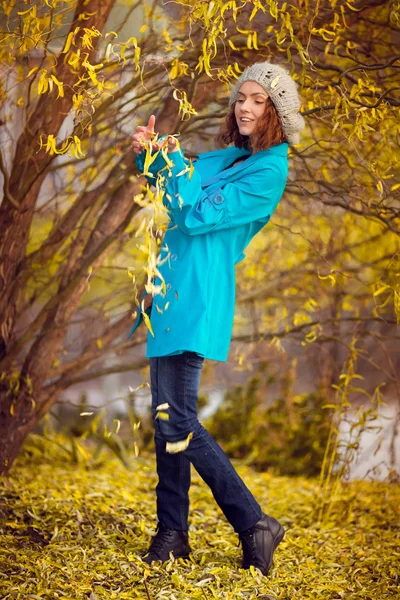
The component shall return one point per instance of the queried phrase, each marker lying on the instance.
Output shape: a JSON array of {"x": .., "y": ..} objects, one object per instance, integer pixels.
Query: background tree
[{"x": 75, "y": 216}]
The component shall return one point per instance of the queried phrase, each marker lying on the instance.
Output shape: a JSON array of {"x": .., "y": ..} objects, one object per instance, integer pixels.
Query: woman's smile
[{"x": 249, "y": 106}]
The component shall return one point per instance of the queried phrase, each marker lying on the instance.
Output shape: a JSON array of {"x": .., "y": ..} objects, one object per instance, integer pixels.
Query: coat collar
[{"x": 231, "y": 152}]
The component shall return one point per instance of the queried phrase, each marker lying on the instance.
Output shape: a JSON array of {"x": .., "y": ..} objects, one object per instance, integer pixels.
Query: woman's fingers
[
  {"x": 145, "y": 133},
  {"x": 172, "y": 145},
  {"x": 149, "y": 128},
  {"x": 151, "y": 123},
  {"x": 159, "y": 144}
]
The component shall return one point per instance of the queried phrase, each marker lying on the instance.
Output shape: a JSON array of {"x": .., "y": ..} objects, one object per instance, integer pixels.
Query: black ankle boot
[
  {"x": 260, "y": 542},
  {"x": 166, "y": 541}
]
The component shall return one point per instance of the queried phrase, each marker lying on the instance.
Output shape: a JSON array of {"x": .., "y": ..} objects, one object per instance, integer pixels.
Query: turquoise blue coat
[{"x": 221, "y": 211}]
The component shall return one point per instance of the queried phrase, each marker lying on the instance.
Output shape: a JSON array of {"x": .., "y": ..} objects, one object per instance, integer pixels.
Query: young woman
[{"x": 215, "y": 210}]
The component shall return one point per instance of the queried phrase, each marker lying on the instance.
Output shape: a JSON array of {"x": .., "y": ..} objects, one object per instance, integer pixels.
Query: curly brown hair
[{"x": 269, "y": 130}]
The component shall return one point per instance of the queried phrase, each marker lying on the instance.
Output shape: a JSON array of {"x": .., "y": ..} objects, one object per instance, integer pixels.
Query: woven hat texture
[{"x": 282, "y": 89}]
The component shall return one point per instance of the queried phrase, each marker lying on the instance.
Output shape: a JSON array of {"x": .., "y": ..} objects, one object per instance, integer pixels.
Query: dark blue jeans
[{"x": 174, "y": 388}]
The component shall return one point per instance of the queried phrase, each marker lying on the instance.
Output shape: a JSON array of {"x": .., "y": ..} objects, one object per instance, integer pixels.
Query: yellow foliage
[
  {"x": 72, "y": 144},
  {"x": 334, "y": 237},
  {"x": 66, "y": 511}
]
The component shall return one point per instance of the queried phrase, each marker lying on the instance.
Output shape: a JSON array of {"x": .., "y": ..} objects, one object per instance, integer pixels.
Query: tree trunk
[
  {"x": 18, "y": 417},
  {"x": 27, "y": 387},
  {"x": 28, "y": 172}
]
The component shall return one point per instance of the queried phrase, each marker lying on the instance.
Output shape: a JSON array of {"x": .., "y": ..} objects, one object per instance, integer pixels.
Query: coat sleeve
[
  {"x": 158, "y": 164},
  {"x": 237, "y": 203}
]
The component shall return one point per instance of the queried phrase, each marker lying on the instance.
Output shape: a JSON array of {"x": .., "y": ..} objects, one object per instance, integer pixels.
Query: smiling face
[{"x": 249, "y": 106}]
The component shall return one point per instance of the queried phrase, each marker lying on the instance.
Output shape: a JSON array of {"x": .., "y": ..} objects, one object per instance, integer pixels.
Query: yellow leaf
[
  {"x": 174, "y": 71},
  {"x": 77, "y": 151},
  {"x": 24, "y": 12},
  {"x": 330, "y": 276},
  {"x": 148, "y": 161},
  {"x": 166, "y": 36},
  {"x": 43, "y": 84},
  {"x": 381, "y": 290},
  {"x": 143, "y": 28},
  {"x": 164, "y": 406},
  {"x": 255, "y": 43},
  {"x": 59, "y": 85},
  {"x": 191, "y": 170},
  {"x": 325, "y": 173},
  {"x": 253, "y": 13},
  {"x": 147, "y": 322},
  {"x": 68, "y": 42},
  {"x": 162, "y": 415},
  {"x": 174, "y": 447}
]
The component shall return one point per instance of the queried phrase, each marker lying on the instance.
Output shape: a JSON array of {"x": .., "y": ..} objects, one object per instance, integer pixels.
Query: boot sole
[{"x": 186, "y": 557}]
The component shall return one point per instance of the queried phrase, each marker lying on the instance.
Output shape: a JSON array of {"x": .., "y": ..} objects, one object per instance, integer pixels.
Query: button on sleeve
[{"x": 218, "y": 199}]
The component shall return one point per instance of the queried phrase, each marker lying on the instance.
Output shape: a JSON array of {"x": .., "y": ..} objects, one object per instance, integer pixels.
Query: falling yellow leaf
[
  {"x": 175, "y": 447},
  {"x": 163, "y": 416},
  {"x": 163, "y": 406}
]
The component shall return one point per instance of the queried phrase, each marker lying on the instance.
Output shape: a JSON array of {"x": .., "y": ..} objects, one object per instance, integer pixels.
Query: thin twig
[
  {"x": 147, "y": 589},
  {"x": 88, "y": 517}
]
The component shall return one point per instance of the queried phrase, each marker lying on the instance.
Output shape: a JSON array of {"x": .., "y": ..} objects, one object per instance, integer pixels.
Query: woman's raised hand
[{"x": 143, "y": 134}]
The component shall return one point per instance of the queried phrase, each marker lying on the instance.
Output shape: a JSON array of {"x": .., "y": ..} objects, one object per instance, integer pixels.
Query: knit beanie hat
[{"x": 282, "y": 90}]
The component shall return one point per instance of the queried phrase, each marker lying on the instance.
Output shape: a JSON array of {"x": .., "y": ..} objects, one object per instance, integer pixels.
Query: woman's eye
[
  {"x": 259, "y": 102},
  {"x": 240, "y": 101}
]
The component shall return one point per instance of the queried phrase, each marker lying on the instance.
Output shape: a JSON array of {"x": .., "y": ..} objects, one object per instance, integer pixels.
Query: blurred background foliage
[{"x": 318, "y": 293}]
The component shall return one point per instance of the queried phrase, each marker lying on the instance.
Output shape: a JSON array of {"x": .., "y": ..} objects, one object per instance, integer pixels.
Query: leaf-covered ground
[{"x": 74, "y": 532}]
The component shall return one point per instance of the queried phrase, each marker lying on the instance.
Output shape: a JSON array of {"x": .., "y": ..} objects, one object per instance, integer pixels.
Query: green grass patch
[{"x": 74, "y": 531}]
